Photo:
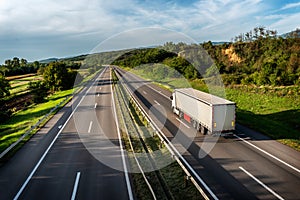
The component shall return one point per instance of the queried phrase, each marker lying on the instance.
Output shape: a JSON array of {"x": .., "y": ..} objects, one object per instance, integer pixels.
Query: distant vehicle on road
[{"x": 207, "y": 113}]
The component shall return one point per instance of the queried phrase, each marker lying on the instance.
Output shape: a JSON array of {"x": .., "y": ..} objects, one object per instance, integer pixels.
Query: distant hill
[
  {"x": 48, "y": 60},
  {"x": 219, "y": 43},
  {"x": 292, "y": 33}
]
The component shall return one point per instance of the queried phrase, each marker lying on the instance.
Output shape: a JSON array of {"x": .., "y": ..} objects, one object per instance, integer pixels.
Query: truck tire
[
  {"x": 203, "y": 130},
  {"x": 195, "y": 124},
  {"x": 174, "y": 110},
  {"x": 181, "y": 115}
]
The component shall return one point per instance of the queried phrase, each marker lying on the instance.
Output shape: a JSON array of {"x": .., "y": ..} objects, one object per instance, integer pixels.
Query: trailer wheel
[
  {"x": 195, "y": 124},
  {"x": 173, "y": 109},
  {"x": 198, "y": 127},
  {"x": 180, "y": 115},
  {"x": 203, "y": 130}
]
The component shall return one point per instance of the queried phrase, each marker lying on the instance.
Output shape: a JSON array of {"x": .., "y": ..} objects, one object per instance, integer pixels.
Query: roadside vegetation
[
  {"x": 260, "y": 71},
  {"x": 27, "y": 98}
]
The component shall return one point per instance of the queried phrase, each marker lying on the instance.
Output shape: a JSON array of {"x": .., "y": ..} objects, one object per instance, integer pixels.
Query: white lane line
[
  {"x": 267, "y": 153},
  {"x": 98, "y": 94},
  {"x": 95, "y": 105},
  {"x": 261, "y": 183},
  {"x": 75, "y": 186},
  {"x": 144, "y": 92},
  {"x": 90, "y": 126},
  {"x": 49, "y": 147},
  {"x": 156, "y": 102},
  {"x": 182, "y": 123},
  {"x": 100, "y": 88},
  {"x": 129, "y": 189}
]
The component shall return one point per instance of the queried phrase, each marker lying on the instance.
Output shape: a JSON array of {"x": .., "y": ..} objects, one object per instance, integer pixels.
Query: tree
[
  {"x": 39, "y": 91},
  {"x": 4, "y": 86},
  {"x": 58, "y": 77}
]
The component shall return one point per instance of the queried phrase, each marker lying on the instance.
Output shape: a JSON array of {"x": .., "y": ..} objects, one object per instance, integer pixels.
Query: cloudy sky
[{"x": 38, "y": 29}]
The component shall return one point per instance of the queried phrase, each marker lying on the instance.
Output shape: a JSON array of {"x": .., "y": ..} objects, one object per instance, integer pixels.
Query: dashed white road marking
[
  {"x": 261, "y": 183},
  {"x": 182, "y": 123},
  {"x": 156, "y": 102},
  {"x": 144, "y": 92},
  {"x": 90, "y": 126},
  {"x": 75, "y": 186},
  {"x": 267, "y": 153}
]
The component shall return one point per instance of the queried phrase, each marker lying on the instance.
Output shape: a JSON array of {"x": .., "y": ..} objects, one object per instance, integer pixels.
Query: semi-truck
[{"x": 207, "y": 113}]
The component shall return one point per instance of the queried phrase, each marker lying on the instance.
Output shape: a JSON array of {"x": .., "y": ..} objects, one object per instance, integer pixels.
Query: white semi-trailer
[{"x": 206, "y": 112}]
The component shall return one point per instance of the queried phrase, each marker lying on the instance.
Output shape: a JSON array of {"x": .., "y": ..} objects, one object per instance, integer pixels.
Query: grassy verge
[
  {"x": 22, "y": 121},
  {"x": 20, "y": 85},
  {"x": 274, "y": 111}
]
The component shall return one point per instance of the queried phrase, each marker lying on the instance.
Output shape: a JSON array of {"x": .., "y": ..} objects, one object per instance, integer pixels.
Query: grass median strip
[{"x": 168, "y": 182}]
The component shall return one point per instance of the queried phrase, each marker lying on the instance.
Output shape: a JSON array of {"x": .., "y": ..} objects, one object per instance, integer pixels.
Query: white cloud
[
  {"x": 290, "y": 5},
  {"x": 287, "y": 23},
  {"x": 91, "y": 21}
]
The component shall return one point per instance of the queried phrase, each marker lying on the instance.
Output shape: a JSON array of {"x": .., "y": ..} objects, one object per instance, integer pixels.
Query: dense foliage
[
  {"x": 58, "y": 77},
  {"x": 261, "y": 58},
  {"x": 258, "y": 57},
  {"x": 17, "y": 66},
  {"x": 4, "y": 86},
  {"x": 139, "y": 57}
]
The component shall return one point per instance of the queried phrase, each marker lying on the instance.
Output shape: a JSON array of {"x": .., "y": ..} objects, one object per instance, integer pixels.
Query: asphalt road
[
  {"x": 62, "y": 161},
  {"x": 246, "y": 166}
]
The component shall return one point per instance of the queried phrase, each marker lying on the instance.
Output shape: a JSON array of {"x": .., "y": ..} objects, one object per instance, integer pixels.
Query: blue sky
[{"x": 38, "y": 29}]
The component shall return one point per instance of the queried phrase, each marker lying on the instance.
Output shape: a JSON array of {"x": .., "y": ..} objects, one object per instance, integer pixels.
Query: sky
[{"x": 40, "y": 29}]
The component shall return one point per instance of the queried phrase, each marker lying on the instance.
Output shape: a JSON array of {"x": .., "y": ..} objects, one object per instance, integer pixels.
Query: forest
[{"x": 258, "y": 57}]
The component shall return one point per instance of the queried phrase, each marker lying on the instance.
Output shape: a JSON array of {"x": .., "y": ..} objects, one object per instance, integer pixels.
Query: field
[
  {"x": 22, "y": 120},
  {"x": 274, "y": 111},
  {"x": 19, "y": 84}
]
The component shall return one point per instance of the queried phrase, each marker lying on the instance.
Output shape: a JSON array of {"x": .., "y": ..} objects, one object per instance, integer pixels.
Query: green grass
[
  {"x": 20, "y": 86},
  {"x": 267, "y": 112},
  {"x": 18, "y": 124},
  {"x": 22, "y": 121},
  {"x": 274, "y": 111}
]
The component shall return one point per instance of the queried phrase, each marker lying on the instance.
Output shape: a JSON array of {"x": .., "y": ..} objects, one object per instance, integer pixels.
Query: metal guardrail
[
  {"x": 8, "y": 149},
  {"x": 129, "y": 140},
  {"x": 189, "y": 171}
]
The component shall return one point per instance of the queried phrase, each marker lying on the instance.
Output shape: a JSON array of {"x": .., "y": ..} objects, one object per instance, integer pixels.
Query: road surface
[
  {"x": 56, "y": 163},
  {"x": 246, "y": 166}
]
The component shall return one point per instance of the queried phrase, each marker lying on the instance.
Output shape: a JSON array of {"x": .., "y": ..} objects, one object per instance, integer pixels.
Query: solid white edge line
[
  {"x": 182, "y": 123},
  {"x": 159, "y": 92},
  {"x": 129, "y": 189},
  {"x": 185, "y": 162},
  {"x": 261, "y": 183},
  {"x": 75, "y": 186},
  {"x": 90, "y": 126},
  {"x": 267, "y": 153},
  {"x": 49, "y": 147}
]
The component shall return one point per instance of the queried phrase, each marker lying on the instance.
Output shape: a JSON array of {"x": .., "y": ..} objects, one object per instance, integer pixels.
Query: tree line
[
  {"x": 56, "y": 76},
  {"x": 266, "y": 59},
  {"x": 258, "y": 57}
]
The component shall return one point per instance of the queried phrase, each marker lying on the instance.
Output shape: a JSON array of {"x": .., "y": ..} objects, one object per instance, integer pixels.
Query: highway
[
  {"x": 248, "y": 165},
  {"x": 60, "y": 163}
]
